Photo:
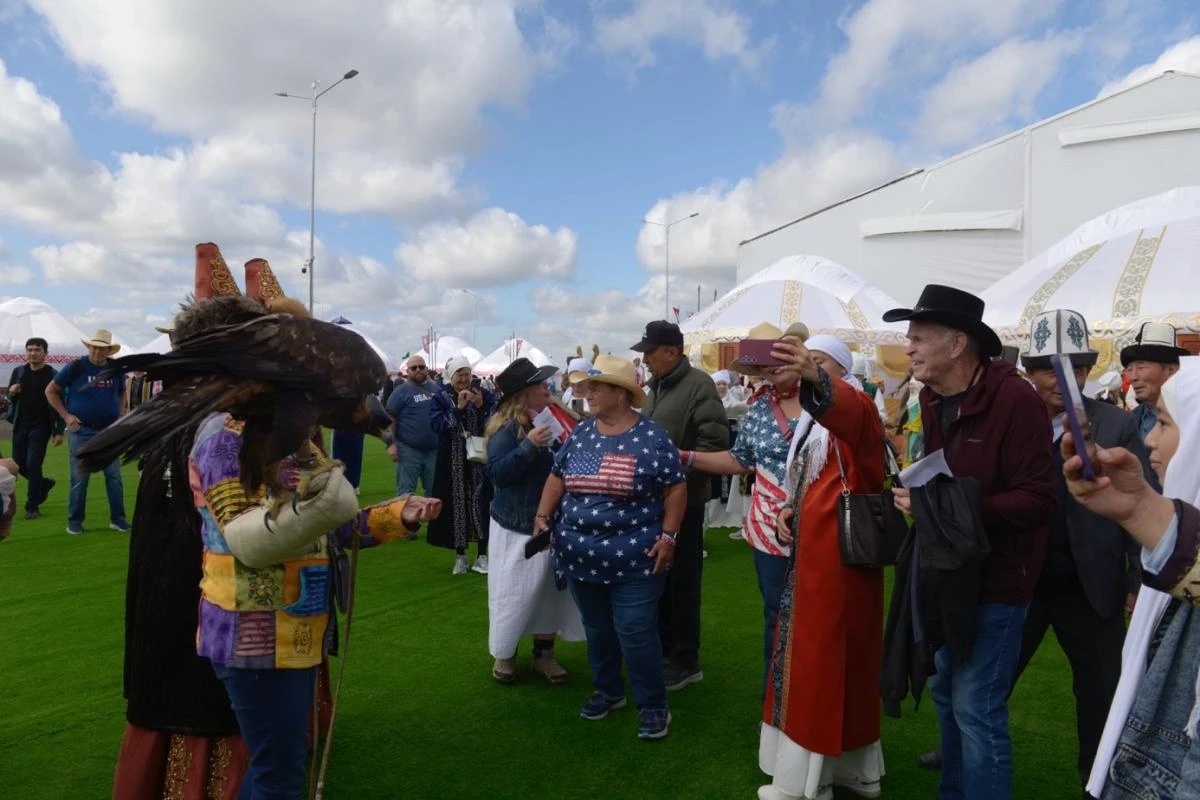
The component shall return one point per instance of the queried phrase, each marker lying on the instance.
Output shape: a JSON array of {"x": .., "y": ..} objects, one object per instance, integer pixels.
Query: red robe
[{"x": 822, "y": 690}]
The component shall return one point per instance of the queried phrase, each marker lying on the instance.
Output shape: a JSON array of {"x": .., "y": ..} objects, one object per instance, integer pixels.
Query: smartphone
[
  {"x": 1081, "y": 429},
  {"x": 757, "y": 353},
  {"x": 476, "y": 382},
  {"x": 537, "y": 544}
]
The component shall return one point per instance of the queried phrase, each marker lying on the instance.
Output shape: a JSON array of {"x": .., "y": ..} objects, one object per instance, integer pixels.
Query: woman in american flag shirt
[
  {"x": 615, "y": 499},
  {"x": 762, "y": 448}
]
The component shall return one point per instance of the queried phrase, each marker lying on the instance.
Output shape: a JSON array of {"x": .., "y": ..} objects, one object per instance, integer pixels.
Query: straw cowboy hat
[
  {"x": 102, "y": 338},
  {"x": 765, "y": 330},
  {"x": 617, "y": 371}
]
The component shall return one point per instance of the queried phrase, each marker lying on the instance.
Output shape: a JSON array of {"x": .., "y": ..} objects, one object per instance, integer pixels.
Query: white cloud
[
  {"x": 1183, "y": 56},
  {"x": 801, "y": 180},
  {"x": 493, "y": 247},
  {"x": 925, "y": 32},
  {"x": 979, "y": 96},
  {"x": 713, "y": 25},
  {"x": 15, "y": 274}
]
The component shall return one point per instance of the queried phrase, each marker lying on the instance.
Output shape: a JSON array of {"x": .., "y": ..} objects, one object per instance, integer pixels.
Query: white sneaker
[
  {"x": 460, "y": 566},
  {"x": 480, "y": 565},
  {"x": 738, "y": 535}
]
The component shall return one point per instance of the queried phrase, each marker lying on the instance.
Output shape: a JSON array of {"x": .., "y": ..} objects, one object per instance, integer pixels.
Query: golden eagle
[{"x": 283, "y": 375}]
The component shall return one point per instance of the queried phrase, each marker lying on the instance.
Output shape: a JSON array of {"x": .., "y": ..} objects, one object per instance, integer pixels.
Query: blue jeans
[
  {"x": 348, "y": 448},
  {"x": 412, "y": 464},
  {"x": 972, "y": 707},
  {"x": 772, "y": 575},
  {"x": 272, "y": 708},
  {"x": 77, "y": 500},
  {"x": 29, "y": 451},
  {"x": 622, "y": 619}
]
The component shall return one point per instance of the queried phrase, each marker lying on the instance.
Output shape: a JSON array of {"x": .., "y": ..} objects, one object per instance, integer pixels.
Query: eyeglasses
[{"x": 413, "y": 369}]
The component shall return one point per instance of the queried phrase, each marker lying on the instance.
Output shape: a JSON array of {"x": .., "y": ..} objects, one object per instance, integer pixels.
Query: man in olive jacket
[{"x": 684, "y": 401}]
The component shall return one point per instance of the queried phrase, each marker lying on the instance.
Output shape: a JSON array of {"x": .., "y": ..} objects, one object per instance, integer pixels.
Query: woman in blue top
[
  {"x": 522, "y": 596},
  {"x": 615, "y": 498}
]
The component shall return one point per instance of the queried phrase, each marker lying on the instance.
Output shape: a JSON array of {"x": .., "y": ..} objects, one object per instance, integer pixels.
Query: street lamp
[
  {"x": 667, "y": 227},
  {"x": 312, "y": 187},
  {"x": 475, "y": 317}
]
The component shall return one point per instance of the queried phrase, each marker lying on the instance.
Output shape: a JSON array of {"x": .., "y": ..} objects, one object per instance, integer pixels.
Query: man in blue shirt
[
  {"x": 88, "y": 406},
  {"x": 414, "y": 443}
]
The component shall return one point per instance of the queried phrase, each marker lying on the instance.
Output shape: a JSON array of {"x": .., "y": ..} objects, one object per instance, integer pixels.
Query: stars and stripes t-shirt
[
  {"x": 761, "y": 446},
  {"x": 612, "y": 508}
]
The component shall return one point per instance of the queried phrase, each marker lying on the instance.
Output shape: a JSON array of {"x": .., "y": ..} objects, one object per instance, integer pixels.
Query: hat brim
[
  {"x": 1087, "y": 359},
  {"x": 639, "y": 397},
  {"x": 163, "y": 329},
  {"x": 113, "y": 346},
  {"x": 645, "y": 346},
  {"x": 989, "y": 343},
  {"x": 1154, "y": 353},
  {"x": 541, "y": 375}
]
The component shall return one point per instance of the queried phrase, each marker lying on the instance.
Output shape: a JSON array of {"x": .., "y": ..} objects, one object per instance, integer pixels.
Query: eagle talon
[{"x": 296, "y": 504}]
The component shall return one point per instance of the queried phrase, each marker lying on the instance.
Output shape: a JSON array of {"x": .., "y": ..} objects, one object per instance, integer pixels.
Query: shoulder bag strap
[{"x": 784, "y": 427}]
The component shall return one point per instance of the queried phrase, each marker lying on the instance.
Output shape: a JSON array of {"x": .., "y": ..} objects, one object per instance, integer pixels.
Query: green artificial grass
[{"x": 420, "y": 715}]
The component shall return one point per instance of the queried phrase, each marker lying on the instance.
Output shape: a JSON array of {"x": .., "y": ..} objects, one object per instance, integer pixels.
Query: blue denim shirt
[{"x": 518, "y": 471}]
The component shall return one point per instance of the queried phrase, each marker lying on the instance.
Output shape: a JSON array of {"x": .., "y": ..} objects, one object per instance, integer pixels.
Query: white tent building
[
  {"x": 388, "y": 362},
  {"x": 23, "y": 318},
  {"x": 495, "y": 362},
  {"x": 444, "y": 348},
  {"x": 974, "y": 218}
]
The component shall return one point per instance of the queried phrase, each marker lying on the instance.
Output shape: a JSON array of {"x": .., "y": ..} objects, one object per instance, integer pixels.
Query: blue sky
[{"x": 506, "y": 147}]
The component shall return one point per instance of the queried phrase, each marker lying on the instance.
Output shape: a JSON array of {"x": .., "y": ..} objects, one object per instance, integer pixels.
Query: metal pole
[
  {"x": 667, "y": 302},
  {"x": 312, "y": 205}
]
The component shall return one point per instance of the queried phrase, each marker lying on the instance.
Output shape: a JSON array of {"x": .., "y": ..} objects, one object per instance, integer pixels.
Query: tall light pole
[
  {"x": 475, "y": 317},
  {"x": 312, "y": 186},
  {"x": 667, "y": 227}
]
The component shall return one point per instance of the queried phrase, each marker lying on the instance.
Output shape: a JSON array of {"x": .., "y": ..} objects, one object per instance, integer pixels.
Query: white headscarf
[
  {"x": 833, "y": 347},
  {"x": 722, "y": 376},
  {"x": 1181, "y": 396}
]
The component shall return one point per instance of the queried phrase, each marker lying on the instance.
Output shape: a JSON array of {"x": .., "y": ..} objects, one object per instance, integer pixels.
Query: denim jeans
[
  {"x": 772, "y": 575},
  {"x": 29, "y": 451},
  {"x": 412, "y": 464},
  {"x": 621, "y": 619},
  {"x": 972, "y": 707},
  {"x": 272, "y": 708},
  {"x": 77, "y": 501},
  {"x": 348, "y": 449}
]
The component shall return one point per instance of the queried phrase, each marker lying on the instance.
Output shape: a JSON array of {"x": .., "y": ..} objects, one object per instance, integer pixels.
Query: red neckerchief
[{"x": 774, "y": 394}]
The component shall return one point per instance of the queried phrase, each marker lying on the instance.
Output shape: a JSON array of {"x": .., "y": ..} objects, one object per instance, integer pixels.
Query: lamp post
[
  {"x": 666, "y": 226},
  {"x": 475, "y": 316},
  {"x": 312, "y": 186}
]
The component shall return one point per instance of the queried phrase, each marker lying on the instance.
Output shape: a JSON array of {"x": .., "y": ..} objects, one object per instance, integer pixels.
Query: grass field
[{"x": 421, "y": 716}]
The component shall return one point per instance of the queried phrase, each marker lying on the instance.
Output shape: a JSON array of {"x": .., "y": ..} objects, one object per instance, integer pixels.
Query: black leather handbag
[{"x": 870, "y": 527}]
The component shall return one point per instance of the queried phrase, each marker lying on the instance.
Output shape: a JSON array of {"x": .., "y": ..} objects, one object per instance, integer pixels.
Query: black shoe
[
  {"x": 930, "y": 760},
  {"x": 47, "y": 485},
  {"x": 676, "y": 677},
  {"x": 32, "y": 513}
]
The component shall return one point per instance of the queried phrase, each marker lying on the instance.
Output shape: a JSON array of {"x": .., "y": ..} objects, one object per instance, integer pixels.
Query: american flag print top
[{"x": 612, "y": 510}]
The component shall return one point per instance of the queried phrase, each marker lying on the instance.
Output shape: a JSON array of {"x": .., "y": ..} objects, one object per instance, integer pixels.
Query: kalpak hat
[
  {"x": 1058, "y": 332},
  {"x": 1155, "y": 343},
  {"x": 955, "y": 309},
  {"x": 521, "y": 374}
]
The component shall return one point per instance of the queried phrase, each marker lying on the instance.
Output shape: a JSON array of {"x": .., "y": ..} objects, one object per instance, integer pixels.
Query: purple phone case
[
  {"x": 757, "y": 352},
  {"x": 1074, "y": 409}
]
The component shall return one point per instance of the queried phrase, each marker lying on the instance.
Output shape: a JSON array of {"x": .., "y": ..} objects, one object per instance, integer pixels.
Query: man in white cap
[
  {"x": 1150, "y": 361},
  {"x": 576, "y": 404},
  {"x": 88, "y": 406},
  {"x": 1092, "y": 570}
]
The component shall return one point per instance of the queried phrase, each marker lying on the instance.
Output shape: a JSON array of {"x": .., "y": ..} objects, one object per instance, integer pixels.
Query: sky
[{"x": 490, "y": 169}]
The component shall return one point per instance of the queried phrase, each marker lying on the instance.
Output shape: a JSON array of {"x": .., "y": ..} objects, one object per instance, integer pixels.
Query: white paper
[
  {"x": 922, "y": 472},
  {"x": 544, "y": 419}
]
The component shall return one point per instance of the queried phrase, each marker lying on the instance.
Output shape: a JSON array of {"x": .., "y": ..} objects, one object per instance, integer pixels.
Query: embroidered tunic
[
  {"x": 612, "y": 508},
  {"x": 276, "y": 617}
]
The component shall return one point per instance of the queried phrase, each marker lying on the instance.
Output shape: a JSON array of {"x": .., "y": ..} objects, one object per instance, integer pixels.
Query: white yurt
[
  {"x": 23, "y": 318},
  {"x": 388, "y": 361},
  {"x": 496, "y": 361}
]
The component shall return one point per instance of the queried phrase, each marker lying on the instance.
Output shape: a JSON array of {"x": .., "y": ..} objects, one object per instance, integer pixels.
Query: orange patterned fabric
[
  {"x": 261, "y": 283},
  {"x": 213, "y": 278}
]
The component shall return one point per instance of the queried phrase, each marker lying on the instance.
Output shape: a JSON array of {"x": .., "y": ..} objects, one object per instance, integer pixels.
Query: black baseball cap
[{"x": 659, "y": 333}]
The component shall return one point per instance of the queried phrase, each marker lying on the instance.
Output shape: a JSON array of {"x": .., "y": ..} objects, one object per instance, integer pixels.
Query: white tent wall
[{"x": 973, "y": 218}]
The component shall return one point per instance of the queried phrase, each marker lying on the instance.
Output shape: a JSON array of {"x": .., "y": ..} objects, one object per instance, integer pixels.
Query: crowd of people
[{"x": 587, "y": 506}]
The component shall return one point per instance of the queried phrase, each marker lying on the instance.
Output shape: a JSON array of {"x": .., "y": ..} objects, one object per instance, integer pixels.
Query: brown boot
[{"x": 548, "y": 668}]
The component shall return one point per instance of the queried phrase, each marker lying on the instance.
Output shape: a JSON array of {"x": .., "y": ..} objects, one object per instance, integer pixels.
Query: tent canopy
[
  {"x": 444, "y": 348},
  {"x": 23, "y": 318},
  {"x": 388, "y": 361},
  {"x": 495, "y": 362},
  {"x": 825, "y": 296}
]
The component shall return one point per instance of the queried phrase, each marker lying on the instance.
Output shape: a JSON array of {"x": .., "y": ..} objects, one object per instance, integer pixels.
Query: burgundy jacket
[{"x": 1002, "y": 438}]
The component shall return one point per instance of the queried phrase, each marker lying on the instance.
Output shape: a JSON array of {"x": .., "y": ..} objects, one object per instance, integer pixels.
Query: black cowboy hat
[
  {"x": 955, "y": 309},
  {"x": 1155, "y": 343},
  {"x": 520, "y": 374}
]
